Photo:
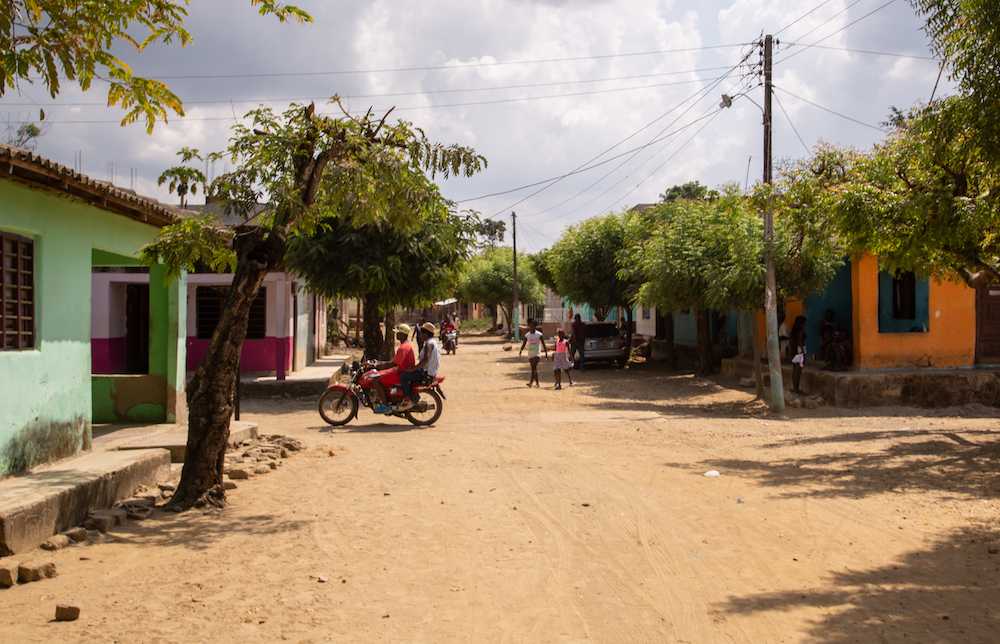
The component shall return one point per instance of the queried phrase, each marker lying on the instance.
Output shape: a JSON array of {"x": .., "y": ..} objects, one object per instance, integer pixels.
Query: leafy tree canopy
[
  {"x": 690, "y": 190},
  {"x": 927, "y": 199},
  {"x": 184, "y": 179},
  {"x": 488, "y": 278},
  {"x": 541, "y": 264},
  {"x": 50, "y": 40}
]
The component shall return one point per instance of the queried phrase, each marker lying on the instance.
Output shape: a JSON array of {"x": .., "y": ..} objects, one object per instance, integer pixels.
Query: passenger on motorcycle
[
  {"x": 425, "y": 369},
  {"x": 390, "y": 373}
]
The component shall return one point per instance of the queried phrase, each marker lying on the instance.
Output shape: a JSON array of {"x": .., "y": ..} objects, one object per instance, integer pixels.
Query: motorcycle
[
  {"x": 339, "y": 404},
  {"x": 450, "y": 341}
]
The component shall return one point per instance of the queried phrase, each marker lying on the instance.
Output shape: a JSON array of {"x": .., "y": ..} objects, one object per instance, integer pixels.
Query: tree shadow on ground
[
  {"x": 947, "y": 593},
  {"x": 188, "y": 530},
  {"x": 922, "y": 460}
]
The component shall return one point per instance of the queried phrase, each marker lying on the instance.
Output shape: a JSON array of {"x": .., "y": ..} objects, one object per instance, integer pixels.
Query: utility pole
[
  {"x": 515, "y": 313},
  {"x": 771, "y": 288}
]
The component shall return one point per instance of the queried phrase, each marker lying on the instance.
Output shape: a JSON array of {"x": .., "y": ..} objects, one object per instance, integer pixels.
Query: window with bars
[
  {"x": 209, "y": 301},
  {"x": 17, "y": 293}
]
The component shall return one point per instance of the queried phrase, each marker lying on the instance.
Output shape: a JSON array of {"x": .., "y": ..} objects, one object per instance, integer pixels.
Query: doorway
[
  {"x": 988, "y": 324},
  {"x": 137, "y": 328}
]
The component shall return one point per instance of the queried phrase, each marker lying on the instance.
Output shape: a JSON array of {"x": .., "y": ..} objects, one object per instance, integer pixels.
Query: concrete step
[
  {"x": 173, "y": 438},
  {"x": 58, "y": 496}
]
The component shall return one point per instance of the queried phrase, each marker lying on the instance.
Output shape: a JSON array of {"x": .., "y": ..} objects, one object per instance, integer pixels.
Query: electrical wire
[
  {"x": 228, "y": 101},
  {"x": 853, "y": 4},
  {"x": 789, "y": 119},
  {"x": 832, "y": 34},
  {"x": 424, "y": 68},
  {"x": 548, "y": 185},
  {"x": 804, "y": 16},
  {"x": 832, "y": 111},
  {"x": 872, "y": 52}
]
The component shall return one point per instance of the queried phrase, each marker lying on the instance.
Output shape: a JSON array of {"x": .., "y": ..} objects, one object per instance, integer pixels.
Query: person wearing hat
[
  {"x": 390, "y": 373},
  {"x": 426, "y": 368}
]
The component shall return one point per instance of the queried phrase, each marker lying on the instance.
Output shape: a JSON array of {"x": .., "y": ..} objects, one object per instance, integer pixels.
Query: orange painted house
[{"x": 903, "y": 321}]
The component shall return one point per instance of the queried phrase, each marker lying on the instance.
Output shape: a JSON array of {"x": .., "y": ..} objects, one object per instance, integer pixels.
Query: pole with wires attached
[
  {"x": 515, "y": 312},
  {"x": 771, "y": 288}
]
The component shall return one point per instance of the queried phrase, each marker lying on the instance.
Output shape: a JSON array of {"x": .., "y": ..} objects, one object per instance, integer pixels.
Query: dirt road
[{"x": 574, "y": 515}]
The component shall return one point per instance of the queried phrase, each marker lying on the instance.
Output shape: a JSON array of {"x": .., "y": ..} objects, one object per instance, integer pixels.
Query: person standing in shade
[
  {"x": 536, "y": 343},
  {"x": 578, "y": 341},
  {"x": 798, "y": 349},
  {"x": 560, "y": 360}
]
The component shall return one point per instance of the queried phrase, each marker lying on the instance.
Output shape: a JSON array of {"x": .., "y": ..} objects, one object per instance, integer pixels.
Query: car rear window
[{"x": 601, "y": 330}]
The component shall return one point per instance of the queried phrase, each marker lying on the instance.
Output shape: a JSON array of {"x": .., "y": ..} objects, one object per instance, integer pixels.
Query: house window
[
  {"x": 903, "y": 303},
  {"x": 904, "y": 296},
  {"x": 646, "y": 313},
  {"x": 17, "y": 293},
  {"x": 209, "y": 301}
]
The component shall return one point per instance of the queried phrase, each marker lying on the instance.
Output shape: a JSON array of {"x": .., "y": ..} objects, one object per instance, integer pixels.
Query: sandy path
[{"x": 567, "y": 516}]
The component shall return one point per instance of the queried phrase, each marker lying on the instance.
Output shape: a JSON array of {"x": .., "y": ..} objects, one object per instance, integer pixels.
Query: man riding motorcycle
[
  {"x": 389, "y": 373},
  {"x": 425, "y": 369}
]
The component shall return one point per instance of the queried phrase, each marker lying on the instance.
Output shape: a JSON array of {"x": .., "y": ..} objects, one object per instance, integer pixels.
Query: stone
[
  {"x": 228, "y": 485},
  {"x": 238, "y": 474},
  {"x": 284, "y": 453},
  {"x": 77, "y": 534},
  {"x": 8, "y": 573},
  {"x": 273, "y": 465},
  {"x": 56, "y": 542},
  {"x": 35, "y": 571},
  {"x": 167, "y": 487},
  {"x": 99, "y": 522},
  {"x": 261, "y": 469},
  {"x": 67, "y": 613},
  {"x": 138, "y": 512}
]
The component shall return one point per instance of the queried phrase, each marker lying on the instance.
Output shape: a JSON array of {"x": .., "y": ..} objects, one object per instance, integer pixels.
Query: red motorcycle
[{"x": 340, "y": 402}]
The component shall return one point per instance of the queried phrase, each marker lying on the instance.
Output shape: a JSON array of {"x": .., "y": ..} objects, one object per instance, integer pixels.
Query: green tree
[
  {"x": 24, "y": 136},
  {"x": 585, "y": 265},
  {"x": 541, "y": 264},
  {"x": 184, "y": 179},
  {"x": 311, "y": 167},
  {"x": 49, "y": 40},
  {"x": 385, "y": 266},
  {"x": 691, "y": 190},
  {"x": 488, "y": 278},
  {"x": 927, "y": 199}
]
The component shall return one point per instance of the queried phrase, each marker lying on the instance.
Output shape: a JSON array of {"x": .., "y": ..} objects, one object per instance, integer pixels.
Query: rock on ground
[
  {"x": 67, "y": 613},
  {"x": 35, "y": 571},
  {"x": 56, "y": 542},
  {"x": 8, "y": 574},
  {"x": 77, "y": 534}
]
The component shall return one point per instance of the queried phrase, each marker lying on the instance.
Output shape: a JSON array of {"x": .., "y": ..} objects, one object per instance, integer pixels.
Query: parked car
[{"x": 605, "y": 343}]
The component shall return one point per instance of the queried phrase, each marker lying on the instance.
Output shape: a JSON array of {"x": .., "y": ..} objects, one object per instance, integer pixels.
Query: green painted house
[{"x": 57, "y": 227}]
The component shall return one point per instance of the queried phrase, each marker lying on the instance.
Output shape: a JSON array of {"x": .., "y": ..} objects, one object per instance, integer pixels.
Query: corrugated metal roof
[{"x": 27, "y": 167}]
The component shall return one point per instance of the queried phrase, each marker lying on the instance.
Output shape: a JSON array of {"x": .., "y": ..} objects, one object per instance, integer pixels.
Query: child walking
[
  {"x": 535, "y": 342},
  {"x": 560, "y": 360}
]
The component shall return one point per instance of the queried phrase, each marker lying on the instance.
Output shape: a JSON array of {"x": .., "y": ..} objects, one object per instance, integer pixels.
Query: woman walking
[
  {"x": 560, "y": 361},
  {"x": 798, "y": 349},
  {"x": 535, "y": 342}
]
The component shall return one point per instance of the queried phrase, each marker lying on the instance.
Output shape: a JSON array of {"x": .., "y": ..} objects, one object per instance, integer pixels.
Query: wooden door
[{"x": 988, "y": 324}]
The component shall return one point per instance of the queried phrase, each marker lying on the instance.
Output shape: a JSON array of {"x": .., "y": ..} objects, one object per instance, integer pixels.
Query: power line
[
  {"x": 794, "y": 129},
  {"x": 396, "y": 94},
  {"x": 844, "y": 28},
  {"x": 853, "y": 4},
  {"x": 871, "y": 52},
  {"x": 499, "y": 101},
  {"x": 804, "y": 16},
  {"x": 424, "y": 68},
  {"x": 613, "y": 146},
  {"x": 832, "y": 111}
]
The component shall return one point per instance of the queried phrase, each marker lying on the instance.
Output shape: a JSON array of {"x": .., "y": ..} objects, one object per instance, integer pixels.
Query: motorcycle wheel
[
  {"x": 337, "y": 407},
  {"x": 434, "y": 409}
]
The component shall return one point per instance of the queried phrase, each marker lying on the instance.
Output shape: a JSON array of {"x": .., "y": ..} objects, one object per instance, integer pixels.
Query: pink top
[{"x": 562, "y": 346}]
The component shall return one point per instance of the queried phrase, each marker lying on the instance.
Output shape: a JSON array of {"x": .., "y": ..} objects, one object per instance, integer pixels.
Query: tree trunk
[
  {"x": 758, "y": 371},
  {"x": 389, "y": 339},
  {"x": 628, "y": 332},
  {"x": 704, "y": 343},
  {"x": 668, "y": 337},
  {"x": 211, "y": 392},
  {"x": 495, "y": 311},
  {"x": 373, "y": 328}
]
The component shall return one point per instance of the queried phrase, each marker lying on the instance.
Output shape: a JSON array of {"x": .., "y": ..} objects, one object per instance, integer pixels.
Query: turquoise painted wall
[
  {"x": 835, "y": 297},
  {"x": 46, "y": 392}
]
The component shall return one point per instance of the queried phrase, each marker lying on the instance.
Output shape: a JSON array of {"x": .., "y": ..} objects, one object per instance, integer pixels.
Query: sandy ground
[{"x": 574, "y": 515}]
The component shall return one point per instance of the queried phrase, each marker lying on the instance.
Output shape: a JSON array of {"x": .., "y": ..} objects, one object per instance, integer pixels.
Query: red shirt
[{"x": 405, "y": 359}]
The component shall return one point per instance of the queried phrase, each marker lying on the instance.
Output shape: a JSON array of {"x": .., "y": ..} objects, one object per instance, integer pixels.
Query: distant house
[
  {"x": 287, "y": 329},
  {"x": 57, "y": 226}
]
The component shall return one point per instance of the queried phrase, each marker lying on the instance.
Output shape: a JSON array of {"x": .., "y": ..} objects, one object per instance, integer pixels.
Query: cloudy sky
[{"x": 494, "y": 74}]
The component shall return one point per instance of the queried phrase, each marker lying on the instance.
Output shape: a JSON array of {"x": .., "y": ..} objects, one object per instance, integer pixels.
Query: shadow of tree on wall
[
  {"x": 947, "y": 593},
  {"x": 921, "y": 460}
]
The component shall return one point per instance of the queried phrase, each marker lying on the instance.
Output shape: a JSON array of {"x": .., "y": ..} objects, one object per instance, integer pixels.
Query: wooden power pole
[
  {"x": 771, "y": 288},
  {"x": 515, "y": 313}
]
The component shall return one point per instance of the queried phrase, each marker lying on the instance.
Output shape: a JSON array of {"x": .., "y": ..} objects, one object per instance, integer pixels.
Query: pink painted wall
[
  {"x": 107, "y": 355},
  {"x": 268, "y": 355}
]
